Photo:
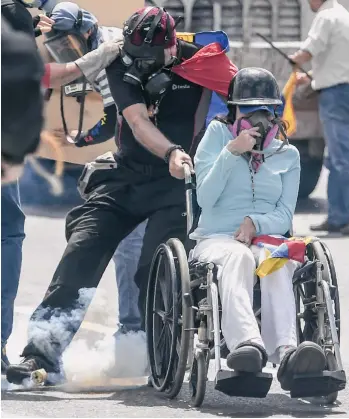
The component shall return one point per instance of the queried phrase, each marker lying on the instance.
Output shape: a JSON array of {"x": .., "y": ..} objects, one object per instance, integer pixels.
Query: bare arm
[
  {"x": 145, "y": 131},
  {"x": 61, "y": 74}
]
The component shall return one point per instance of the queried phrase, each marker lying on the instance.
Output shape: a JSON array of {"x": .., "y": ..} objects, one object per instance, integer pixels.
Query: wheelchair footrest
[
  {"x": 316, "y": 385},
  {"x": 241, "y": 384}
]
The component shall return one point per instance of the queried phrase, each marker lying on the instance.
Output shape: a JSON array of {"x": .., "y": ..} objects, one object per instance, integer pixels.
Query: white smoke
[
  {"x": 97, "y": 364},
  {"x": 107, "y": 362}
]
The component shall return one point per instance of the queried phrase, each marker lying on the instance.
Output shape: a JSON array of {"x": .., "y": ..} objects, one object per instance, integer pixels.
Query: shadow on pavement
[
  {"x": 218, "y": 404},
  {"x": 215, "y": 403}
]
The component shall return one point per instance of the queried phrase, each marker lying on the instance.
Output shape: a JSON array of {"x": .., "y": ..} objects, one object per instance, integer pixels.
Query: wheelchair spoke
[
  {"x": 161, "y": 338},
  {"x": 160, "y": 313},
  {"x": 164, "y": 291},
  {"x": 301, "y": 292},
  {"x": 170, "y": 328}
]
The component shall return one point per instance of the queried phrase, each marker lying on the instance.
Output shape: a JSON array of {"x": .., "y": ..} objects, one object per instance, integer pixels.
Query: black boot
[
  {"x": 308, "y": 358},
  {"x": 326, "y": 226},
  {"x": 345, "y": 230},
  {"x": 247, "y": 357},
  {"x": 17, "y": 373}
]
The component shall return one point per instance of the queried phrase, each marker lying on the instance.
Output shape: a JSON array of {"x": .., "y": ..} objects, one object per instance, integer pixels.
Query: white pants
[{"x": 236, "y": 277}]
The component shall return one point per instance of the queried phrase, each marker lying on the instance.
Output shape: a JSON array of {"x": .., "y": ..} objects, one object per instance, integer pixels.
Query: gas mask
[
  {"x": 268, "y": 128},
  {"x": 145, "y": 62},
  {"x": 148, "y": 73}
]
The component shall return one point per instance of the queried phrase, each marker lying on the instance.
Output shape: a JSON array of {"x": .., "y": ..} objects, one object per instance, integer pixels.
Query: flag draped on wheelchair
[{"x": 278, "y": 251}]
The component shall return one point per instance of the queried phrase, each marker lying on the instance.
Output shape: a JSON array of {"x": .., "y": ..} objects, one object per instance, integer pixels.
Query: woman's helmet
[
  {"x": 254, "y": 86},
  {"x": 256, "y": 92}
]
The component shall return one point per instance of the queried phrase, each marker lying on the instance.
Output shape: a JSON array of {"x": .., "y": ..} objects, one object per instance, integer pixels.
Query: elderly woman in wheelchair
[{"x": 247, "y": 187}]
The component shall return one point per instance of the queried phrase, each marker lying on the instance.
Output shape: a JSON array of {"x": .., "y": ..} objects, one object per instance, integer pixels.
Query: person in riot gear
[
  {"x": 244, "y": 198},
  {"x": 143, "y": 180}
]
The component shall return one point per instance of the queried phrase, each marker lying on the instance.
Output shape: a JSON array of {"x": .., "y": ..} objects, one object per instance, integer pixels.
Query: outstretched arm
[{"x": 90, "y": 65}]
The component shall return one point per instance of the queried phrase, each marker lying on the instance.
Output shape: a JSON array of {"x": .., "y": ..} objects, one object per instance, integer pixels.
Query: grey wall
[{"x": 282, "y": 20}]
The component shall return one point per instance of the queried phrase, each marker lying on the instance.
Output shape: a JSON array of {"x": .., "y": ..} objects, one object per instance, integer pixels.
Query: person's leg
[
  {"x": 126, "y": 258},
  {"x": 162, "y": 225},
  {"x": 12, "y": 236},
  {"x": 334, "y": 114},
  {"x": 236, "y": 266},
  {"x": 278, "y": 311},
  {"x": 93, "y": 232},
  {"x": 278, "y": 321}
]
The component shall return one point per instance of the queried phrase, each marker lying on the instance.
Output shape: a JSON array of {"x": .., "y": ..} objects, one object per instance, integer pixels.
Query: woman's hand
[
  {"x": 244, "y": 142},
  {"x": 246, "y": 232}
]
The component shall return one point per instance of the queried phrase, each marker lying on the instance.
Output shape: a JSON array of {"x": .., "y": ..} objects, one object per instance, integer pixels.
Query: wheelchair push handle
[
  {"x": 187, "y": 173},
  {"x": 189, "y": 186}
]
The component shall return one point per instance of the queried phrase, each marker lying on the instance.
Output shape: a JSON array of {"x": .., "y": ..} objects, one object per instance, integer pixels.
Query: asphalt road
[{"x": 42, "y": 249}]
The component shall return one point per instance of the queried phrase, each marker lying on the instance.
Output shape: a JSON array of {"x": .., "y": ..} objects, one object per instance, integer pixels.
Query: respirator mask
[
  {"x": 145, "y": 62},
  {"x": 256, "y": 92},
  {"x": 268, "y": 128}
]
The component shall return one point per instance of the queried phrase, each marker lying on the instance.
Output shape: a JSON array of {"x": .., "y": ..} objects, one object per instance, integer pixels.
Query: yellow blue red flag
[{"x": 279, "y": 250}]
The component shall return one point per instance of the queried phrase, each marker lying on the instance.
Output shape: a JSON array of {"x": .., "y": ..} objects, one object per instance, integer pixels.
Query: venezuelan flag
[
  {"x": 279, "y": 250},
  {"x": 289, "y": 115}
]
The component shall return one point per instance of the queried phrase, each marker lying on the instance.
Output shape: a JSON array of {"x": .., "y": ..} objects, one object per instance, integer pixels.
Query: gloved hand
[
  {"x": 95, "y": 61},
  {"x": 45, "y": 24}
]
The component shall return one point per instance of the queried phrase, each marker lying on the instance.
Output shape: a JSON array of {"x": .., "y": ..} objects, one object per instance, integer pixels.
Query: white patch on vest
[{"x": 180, "y": 86}]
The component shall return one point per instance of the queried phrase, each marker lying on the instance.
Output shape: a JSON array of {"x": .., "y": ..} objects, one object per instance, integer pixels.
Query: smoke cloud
[{"x": 104, "y": 362}]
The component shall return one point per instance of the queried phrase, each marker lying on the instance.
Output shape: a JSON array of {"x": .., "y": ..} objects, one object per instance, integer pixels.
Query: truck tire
[{"x": 310, "y": 173}]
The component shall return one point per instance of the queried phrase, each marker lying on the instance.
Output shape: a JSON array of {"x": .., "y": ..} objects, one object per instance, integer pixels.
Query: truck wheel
[{"x": 310, "y": 173}]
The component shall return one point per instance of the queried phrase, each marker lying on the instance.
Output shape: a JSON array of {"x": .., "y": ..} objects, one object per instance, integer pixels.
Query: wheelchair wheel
[
  {"x": 305, "y": 295},
  {"x": 185, "y": 319},
  {"x": 168, "y": 317},
  {"x": 161, "y": 316},
  {"x": 334, "y": 283},
  {"x": 307, "y": 326},
  {"x": 198, "y": 378}
]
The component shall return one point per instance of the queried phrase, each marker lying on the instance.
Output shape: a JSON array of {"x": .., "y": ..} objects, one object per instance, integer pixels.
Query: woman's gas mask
[
  {"x": 269, "y": 127},
  {"x": 146, "y": 62}
]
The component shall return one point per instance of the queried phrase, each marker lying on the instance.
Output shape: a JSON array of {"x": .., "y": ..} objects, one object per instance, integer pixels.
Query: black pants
[{"x": 121, "y": 199}]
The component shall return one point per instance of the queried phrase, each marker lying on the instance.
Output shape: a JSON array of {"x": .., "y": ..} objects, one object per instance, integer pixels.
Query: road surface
[{"x": 42, "y": 250}]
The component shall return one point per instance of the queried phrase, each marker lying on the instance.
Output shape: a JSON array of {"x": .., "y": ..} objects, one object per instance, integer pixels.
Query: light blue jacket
[{"x": 224, "y": 187}]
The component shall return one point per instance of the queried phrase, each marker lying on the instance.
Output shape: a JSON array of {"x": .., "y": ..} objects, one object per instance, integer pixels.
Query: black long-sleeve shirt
[{"x": 105, "y": 129}]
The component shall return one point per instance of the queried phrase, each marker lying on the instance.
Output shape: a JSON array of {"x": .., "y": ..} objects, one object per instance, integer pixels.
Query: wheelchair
[{"x": 183, "y": 300}]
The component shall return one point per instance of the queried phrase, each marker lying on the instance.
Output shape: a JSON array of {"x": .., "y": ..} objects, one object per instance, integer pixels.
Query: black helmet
[{"x": 254, "y": 86}]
